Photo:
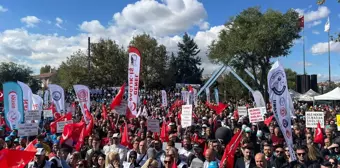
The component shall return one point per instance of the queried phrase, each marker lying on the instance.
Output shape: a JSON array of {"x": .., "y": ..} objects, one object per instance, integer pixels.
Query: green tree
[
  {"x": 109, "y": 63},
  {"x": 154, "y": 62},
  {"x": 187, "y": 62},
  {"x": 73, "y": 70},
  {"x": 15, "y": 72},
  {"x": 291, "y": 78},
  {"x": 252, "y": 38},
  {"x": 45, "y": 69},
  {"x": 337, "y": 35}
]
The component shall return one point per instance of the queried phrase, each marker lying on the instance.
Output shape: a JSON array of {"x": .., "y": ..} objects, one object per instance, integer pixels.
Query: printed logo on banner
[
  {"x": 133, "y": 106},
  {"x": 285, "y": 123},
  {"x": 277, "y": 83},
  {"x": 82, "y": 95},
  {"x": 288, "y": 134},
  {"x": 56, "y": 95},
  {"x": 133, "y": 59},
  {"x": 282, "y": 101},
  {"x": 283, "y": 111},
  {"x": 13, "y": 115}
]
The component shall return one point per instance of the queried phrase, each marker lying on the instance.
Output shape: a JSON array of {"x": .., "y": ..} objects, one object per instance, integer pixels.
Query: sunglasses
[
  {"x": 80, "y": 164},
  {"x": 167, "y": 161},
  {"x": 279, "y": 151},
  {"x": 301, "y": 154}
]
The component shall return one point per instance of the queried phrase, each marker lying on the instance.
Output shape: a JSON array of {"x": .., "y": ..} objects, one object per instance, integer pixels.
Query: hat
[
  {"x": 204, "y": 126},
  {"x": 244, "y": 127},
  {"x": 247, "y": 130},
  {"x": 12, "y": 134},
  {"x": 259, "y": 133},
  {"x": 22, "y": 137},
  {"x": 204, "y": 118},
  {"x": 172, "y": 124},
  {"x": 115, "y": 135},
  {"x": 232, "y": 118},
  {"x": 16, "y": 140},
  {"x": 7, "y": 139},
  {"x": 40, "y": 151}
]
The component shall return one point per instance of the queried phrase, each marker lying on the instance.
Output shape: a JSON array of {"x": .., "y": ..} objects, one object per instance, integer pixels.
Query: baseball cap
[
  {"x": 247, "y": 129},
  {"x": 115, "y": 135},
  {"x": 40, "y": 151},
  {"x": 7, "y": 139}
]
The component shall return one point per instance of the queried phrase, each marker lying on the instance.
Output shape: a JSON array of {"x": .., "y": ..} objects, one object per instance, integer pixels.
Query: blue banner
[
  {"x": 13, "y": 104},
  {"x": 217, "y": 99}
]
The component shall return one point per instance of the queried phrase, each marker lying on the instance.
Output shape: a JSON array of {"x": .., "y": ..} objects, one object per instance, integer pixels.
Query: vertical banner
[
  {"x": 13, "y": 104},
  {"x": 278, "y": 94},
  {"x": 37, "y": 102},
  {"x": 57, "y": 97},
  {"x": 217, "y": 99},
  {"x": 133, "y": 78},
  {"x": 83, "y": 95},
  {"x": 46, "y": 97},
  {"x": 27, "y": 96},
  {"x": 195, "y": 98},
  {"x": 207, "y": 93},
  {"x": 258, "y": 98},
  {"x": 164, "y": 99},
  {"x": 184, "y": 94}
]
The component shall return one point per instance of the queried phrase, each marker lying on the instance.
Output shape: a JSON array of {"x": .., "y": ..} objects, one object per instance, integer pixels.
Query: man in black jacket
[{"x": 247, "y": 161}]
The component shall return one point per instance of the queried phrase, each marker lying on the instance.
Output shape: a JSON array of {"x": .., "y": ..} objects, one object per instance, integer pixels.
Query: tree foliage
[
  {"x": 15, "y": 72},
  {"x": 45, "y": 69},
  {"x": 291, "y": 78},
  {"x": 252, "y": 38},
  {"x": 187, "y": 62}
]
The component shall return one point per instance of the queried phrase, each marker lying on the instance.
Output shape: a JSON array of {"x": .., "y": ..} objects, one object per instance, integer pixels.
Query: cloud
[
  {"x": 30, "y": 21},
  {"x": 310, "y": 16},
  {"x": 48, "y": 22},
  {"x": 315, "y": 23},
  {"x": 315, "y": 32},
  {"x": 324, "y": 77},
  {"x": 36, "y": 49},
  {"x": 59, "y": 21},
  {"x": 321, "y": 48},
  {"x": 3, "y": 9},
  {"x": 306, "y": 63}
]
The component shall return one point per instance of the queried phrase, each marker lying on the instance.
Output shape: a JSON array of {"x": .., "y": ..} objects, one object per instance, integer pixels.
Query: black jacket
[{"x": 240, "y": 163}]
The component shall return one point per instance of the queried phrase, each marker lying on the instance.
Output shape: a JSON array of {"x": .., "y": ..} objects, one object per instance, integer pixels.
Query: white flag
[
  {"x": 258, "y": 98},
  {"x": 57, "y": 97},
  {"x": 195, "y": 98},
  {"x": 83, "y": 95},
  {"x": 207, "y": 92},
  {"x": 37, "y": 102},
  {"x": 27, "y": 96},
  {"x": 164, "y": 99},
  {"x": 133, "y": 76},
  {"x": 278, "y": 94},
  {"x": 327, "y": 25}
]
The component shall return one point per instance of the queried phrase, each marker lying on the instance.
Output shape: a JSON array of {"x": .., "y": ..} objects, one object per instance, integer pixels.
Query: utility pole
[{"x": 89, "y": 59}]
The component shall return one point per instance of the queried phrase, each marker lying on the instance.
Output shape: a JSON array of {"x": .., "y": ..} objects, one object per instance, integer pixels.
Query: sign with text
[
  {"x": 256, "y": 114},
  {"x": 61, "y": 125},
  {"x": 153, "y": 125},
  {"x": 242, "y": 110},
  {"x": 28, "y": 129},
  {"x": 48, "y": 113},
  {"x": 313, "y": 117},
  {"x": 186, "y": 116},
  {"x": 32, "y": 115}
]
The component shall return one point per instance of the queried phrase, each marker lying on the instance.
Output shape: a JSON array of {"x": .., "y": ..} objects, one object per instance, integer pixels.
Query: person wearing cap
[
  {"x": 47, "y": 148},
  {"x": 9, "y": 143},
  {"x": 196, "y": 160},
  {"x": 39, "y": 160},
  {"x": 22, "y": 143},
  {"x": 118, "y": 148}
]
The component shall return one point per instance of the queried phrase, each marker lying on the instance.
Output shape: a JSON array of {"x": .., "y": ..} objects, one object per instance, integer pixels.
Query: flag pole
[
  {"x": 329, "y": 59},
  {"x": 304, "y": 53}
]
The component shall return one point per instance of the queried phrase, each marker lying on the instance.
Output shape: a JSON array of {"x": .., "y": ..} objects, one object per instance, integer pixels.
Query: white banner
[
  {"x": 164, "y": 99},
  {"x": 32, "y": 115},
  {"x": 83, "y": 96},
  {"x": 313, "y": 117},
  {"x": 278, "y": 94},
  {"x": 28, "y": 129},
  {"x": 258, "y": 98},
  {"x": 37, "y": 102},
  {"x": 61, "y": 125},
  {"x": 195, "y": 98},
  {"x": 186, "y": 116},
  {"x": 256, "y": 114},
  {"x": 242, "y": 111},
  {"x": 153, "y": 125},
  {"x": 133, "y": 76},
  {"x": 27, "y": 96},
  {"x": 57, "y": 97},
  {"x": 207, "y": 93},
  {"x": 184, "y": 95},
  {"x": 46, "y": 96}
]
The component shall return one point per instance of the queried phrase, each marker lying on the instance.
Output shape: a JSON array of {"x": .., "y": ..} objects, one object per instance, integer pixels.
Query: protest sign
[
  {"x": 256, "y": 114},
  {"x": 32, "y": 115},
  {"x": 313, "y": 117},
  {"x": 338, "y": 121},
  {"x": 48, "y": 113},
  {"x": 28, "y": 129},
  {"x": 186, "y": 116},
  {"x": 61, "y": 125},
  {"x": 242, "y": 110},
  {"x": 153, "y": 125}
]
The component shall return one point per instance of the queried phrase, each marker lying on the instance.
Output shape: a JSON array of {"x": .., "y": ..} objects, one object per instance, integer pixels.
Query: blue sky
[{"x": 39, "y": 32}]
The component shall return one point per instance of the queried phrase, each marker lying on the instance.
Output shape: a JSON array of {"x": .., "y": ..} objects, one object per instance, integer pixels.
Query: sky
[{"x": 40, "y": 32}]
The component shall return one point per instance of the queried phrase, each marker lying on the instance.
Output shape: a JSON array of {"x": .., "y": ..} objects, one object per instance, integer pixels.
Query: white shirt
[
  {"x": 184, "y": 154},
  {"x": 120, "y": 149}
]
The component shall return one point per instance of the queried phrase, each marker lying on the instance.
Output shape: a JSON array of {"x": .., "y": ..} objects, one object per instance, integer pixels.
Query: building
[{"x": 45, "y": 78}]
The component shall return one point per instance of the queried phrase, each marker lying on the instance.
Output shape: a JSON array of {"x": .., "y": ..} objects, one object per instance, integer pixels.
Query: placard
[
  {"x": 32, "y": 115},
  {"x": 338, "y": 121},
  {"x": 28, "y": 129},
  {"x": 153, "y": 125},
  {"x": 186, "y": 116},
  {"x": 242, "y": 110},
  {"x": 48, "y": 113},
  {"x": 61, "y": 125},
  {"x": 313, "y": 117},
  {"x": 256, "y": 114}
]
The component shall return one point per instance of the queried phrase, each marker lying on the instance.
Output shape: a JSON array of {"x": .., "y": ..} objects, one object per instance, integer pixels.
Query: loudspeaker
[
  {"x": 298, "y": 83},
  {"x": 307, "y": 84},
  {"x": 314, "y": 83}
]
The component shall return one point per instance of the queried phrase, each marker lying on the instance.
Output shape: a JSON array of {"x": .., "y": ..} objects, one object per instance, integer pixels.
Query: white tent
[
  {"x": 294, "y": 95},
  {"x": 332, "y": 95},
  {"x": 308, "y": 96}
]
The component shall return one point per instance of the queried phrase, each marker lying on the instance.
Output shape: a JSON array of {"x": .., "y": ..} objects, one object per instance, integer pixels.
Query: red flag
[
  {"x": 155, "y": 136},
  {"x": 268, "y": 120},
  {"x": 31, "y": 146},
  {"x": 118, "y": 99},
  {"x": 104, "y": 111},
  {"x": 205, "y": 148},
  {"x": 164, "y": 133},
  {"x": 218, "y": 109},
  {"x": 230, "y": 150},
  {"x": 318, "y": 137},
  {"x": 13, "y": 161},
  {"x": 54, "y": 111},
  {"x": 1, "y": 95},
  {"x": 190, "y": 89},
  {"x": 125, "y": 136},
  {"x": 302, "y": 21},
  {"x": 53, "y": 124},
  {"x": 81, "y": 140},
  {"x": 174, "y": 165},
  {"x": 89, "y": 126},
  {"x": 145, "y": 102}
]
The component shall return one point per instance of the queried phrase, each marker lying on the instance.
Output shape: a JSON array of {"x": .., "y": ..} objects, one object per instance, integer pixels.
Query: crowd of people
[{"x": 262, "y": 144}]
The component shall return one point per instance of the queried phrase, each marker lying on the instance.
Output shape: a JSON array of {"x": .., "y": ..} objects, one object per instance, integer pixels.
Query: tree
[
  {"x": 291, "y": 78},
  {"x": 74, "y": 70},
  {"x": 252, "y": 38},
  {"x": 45, "y": 69},
  {"x": 15, "y": 72},
  {"x": 187, "y": 62},
  {"x": 109, "y": 63},
  {"x": 337, "y": 36},
  {"x": 154, "y": 60}
]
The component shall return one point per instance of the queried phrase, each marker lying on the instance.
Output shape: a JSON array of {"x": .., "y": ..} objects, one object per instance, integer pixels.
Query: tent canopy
[
  {"x": 294, "y": 94},
  {"x": 308, "y": 96},
  {"x": 331, "y": 95}
]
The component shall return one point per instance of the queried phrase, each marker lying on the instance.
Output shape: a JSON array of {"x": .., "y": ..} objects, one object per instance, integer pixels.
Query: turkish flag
[
  {"x": 318, "y": 137},
  {"x": 89, "y": 126},
  {"x": 230, "y": 149},
  {"x": 218, "y": 109},
  {"x": 104, "y": 111},
  {"x": 268, "y": 120},
  {"x": 53, "y": 124},
  {"x": 1, "y": 95},
  {"x": 118, "y": 99},
  {"x": 81, "y": 139},
  {"x": 302, "y": 21},
  {"x": 164, "y": 133},
  {"x": 125, "y": 136},
  {"x": 31, "y": 146},
  {"x": 9, "y": 158}
]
